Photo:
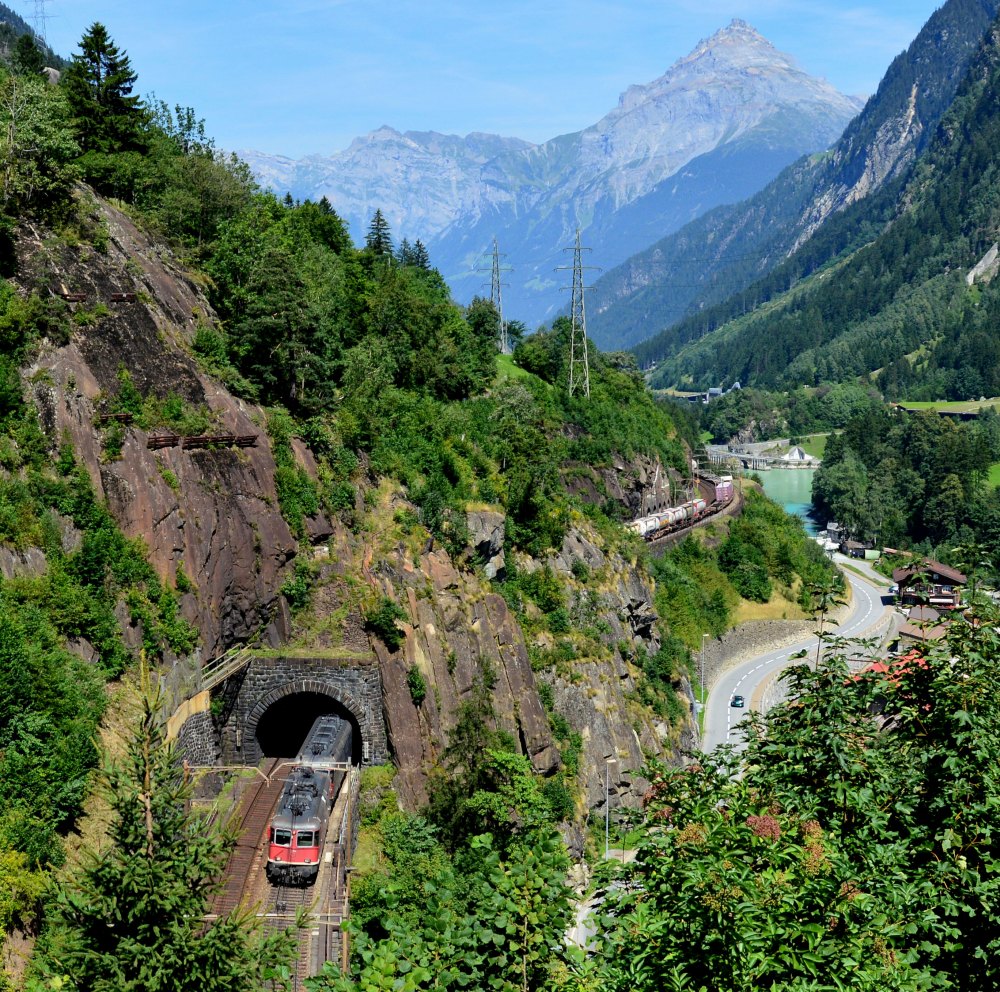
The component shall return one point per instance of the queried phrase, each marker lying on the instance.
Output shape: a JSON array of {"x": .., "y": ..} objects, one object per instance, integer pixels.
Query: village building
[{"x": 931, "y": 584}]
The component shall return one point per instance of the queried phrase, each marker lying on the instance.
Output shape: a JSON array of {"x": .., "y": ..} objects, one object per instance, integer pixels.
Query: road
[{"x": 721, "y": 719}]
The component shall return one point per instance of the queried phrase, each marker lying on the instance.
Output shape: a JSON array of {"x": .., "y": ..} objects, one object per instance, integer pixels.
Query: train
[
  {"x": 298, "y": 828},
  {"x": 674, "y": 518}
]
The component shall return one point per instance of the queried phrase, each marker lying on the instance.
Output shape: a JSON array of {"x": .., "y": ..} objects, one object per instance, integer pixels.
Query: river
[{"x": 792, "y": 489}]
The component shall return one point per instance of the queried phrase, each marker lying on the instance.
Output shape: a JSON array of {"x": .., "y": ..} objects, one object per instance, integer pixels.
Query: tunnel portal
[{"x": 282, "y": 728}]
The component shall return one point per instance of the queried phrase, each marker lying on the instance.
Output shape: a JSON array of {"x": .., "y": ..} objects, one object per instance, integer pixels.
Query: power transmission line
[
  {"x": 496, "y": 298},
  {"x": 40, "y": 20}
]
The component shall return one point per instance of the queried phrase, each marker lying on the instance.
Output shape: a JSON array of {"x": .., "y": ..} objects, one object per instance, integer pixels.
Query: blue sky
[{"x": 297, "y": 77}]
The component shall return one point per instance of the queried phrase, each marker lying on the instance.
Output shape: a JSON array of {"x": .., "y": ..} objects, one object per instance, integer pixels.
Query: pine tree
[
  {"x": 379, "y": 238},
  {"x": 27, "y": 59},
  {"x": 420, "y": 257},
  {"x": 99, "y": 85},
  {"x": 133, "y": 919}
]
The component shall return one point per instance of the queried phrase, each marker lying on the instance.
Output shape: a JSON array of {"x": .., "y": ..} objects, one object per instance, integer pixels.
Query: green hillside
[{"x": 897, "y": 308}]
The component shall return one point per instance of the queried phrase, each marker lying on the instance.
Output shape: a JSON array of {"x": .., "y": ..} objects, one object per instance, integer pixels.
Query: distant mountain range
[
  {"x": 663, "y": 298},
  {"x": 714, "y": 129},
  {"x": 901, "y": 285}
]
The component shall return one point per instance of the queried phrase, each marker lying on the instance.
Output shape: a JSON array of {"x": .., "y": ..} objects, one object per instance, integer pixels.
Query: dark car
[{"x": 738, "y": 701}]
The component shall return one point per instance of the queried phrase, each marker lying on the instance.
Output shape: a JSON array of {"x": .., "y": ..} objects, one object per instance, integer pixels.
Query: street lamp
[{"x": 607, "y": 800}]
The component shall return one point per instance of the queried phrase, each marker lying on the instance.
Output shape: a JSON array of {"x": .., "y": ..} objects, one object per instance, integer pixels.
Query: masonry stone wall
[
  {"x": 356, "y": 688},
  {"x": 197, "y": 741}
]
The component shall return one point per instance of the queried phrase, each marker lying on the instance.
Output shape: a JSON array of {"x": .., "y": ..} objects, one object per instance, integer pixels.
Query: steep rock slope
[
  {"x": 211, "y": 523},
  {"x": 210, "y": 513},
  {"x": 728, "y": 249},
  {"x": 715, "y": 127}
]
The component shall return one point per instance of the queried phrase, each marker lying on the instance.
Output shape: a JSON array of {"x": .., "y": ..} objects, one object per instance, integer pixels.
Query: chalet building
[{"x": 931, "y": 584}]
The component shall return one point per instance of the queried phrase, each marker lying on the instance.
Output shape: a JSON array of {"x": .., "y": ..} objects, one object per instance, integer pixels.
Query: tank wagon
[
  {"x": 298, "y": 828},
  {"x": 675, "y": 518}
]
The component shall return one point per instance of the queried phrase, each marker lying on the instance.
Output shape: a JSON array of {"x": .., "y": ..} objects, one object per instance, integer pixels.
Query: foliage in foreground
[
  {"x": 133, "y": 918},
  {"x": 857, "y": 849}
]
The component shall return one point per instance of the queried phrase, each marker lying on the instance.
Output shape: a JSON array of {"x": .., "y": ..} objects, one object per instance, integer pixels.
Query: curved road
[{"x": 744, "y": 679}]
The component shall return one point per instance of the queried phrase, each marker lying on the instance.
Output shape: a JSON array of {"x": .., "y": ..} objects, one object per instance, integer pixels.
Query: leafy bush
[
  {"x": 382, "y": 623},
  {"x": 416, "y": 684}
]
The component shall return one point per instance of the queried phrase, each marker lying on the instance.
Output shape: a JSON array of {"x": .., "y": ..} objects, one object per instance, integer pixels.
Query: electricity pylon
[
  {"x": 579, "y": 363},
  {"x": 496, "y": 298},
  {"x": 40, "y": 19}
]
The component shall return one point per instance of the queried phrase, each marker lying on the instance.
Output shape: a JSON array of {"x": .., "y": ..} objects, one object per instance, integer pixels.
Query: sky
[{"x": 301, "y": 77}]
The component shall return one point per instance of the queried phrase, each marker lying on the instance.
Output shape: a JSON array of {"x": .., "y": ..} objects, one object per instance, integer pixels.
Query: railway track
[
  {"x": 245, "y": 869},
  {"x": 279, "y": 906}
]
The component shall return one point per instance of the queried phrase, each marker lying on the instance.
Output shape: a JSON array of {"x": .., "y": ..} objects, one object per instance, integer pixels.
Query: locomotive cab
[{"x": 298, "y": 828}]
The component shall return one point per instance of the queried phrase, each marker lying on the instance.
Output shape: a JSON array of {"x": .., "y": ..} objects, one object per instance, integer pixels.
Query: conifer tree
[
  {"x": 379, "y": 238},
  {"x": 99, "y": 85},
  {"x": 27, "y": 58},
  {"x": 421, "y": 259},
  {"x": 132, "y": 919}
]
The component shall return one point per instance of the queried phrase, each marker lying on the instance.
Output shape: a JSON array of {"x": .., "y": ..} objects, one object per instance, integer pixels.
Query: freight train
[
  {"x": 675, "y": 518},
  {"x": 298, "y": 828}
]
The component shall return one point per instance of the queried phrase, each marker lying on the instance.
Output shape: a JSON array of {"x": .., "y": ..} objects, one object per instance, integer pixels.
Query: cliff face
[{"x": 211, "y": 513}]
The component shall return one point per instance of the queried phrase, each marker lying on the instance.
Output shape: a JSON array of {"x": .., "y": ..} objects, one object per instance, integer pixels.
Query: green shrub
[
  {"x": 416, "y": 684},
  {"x": 382, "y": 623}
]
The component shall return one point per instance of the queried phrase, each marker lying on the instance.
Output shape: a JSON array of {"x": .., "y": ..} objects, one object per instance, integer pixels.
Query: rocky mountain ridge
[
  {"x": 210, "y": 521},
  {"x": 714, "y": 128},
  {"x": 727, "y": 250}
]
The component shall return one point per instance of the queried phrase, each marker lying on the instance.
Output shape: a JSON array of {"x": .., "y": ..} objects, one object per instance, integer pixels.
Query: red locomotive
[{"x": 298, "y": 828}]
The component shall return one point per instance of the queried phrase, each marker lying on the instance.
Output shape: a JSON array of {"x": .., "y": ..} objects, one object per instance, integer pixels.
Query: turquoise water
[{"x": 792, "y": 488}]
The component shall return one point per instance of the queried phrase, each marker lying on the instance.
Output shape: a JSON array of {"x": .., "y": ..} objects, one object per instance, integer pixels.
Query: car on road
[{"x": 738, "y": 701}]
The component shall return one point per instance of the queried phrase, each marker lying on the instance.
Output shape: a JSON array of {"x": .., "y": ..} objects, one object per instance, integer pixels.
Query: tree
[
  {"x": 826, "y": 596},
  {"x": 378, "y": 240},
  {"x": 27, "y": 59},
  {"x": 98, "y": 85},
  {"x": 36, "y": 148},
  {"x": 133, "y": 919}
]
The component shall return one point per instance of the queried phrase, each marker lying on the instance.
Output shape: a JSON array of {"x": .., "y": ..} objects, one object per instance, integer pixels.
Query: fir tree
[
  {"x": 27, "y": 59},
  {"x": 99, "y": 85},
  {"x": 420, "y": 257},
  {"x": 379, "y": 238},
  {"x": 133, "y": 918}
]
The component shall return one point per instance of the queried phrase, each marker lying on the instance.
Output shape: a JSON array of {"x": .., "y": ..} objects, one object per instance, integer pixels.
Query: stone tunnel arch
[{"x": 343, "y": 703}]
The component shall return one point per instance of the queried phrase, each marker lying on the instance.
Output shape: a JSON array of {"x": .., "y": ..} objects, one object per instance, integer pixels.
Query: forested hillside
[
  {"x": 716, "y": 267},
  {"x": 898, "y": 307}
]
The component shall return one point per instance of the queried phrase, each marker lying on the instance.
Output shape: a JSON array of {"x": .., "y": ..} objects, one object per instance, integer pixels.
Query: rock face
[
  {"x": 211, "y": 513},
  {"x": 713, "y": 129},
  {"x": 458, "y": 632},
  {"x": 599, "y": 697},
  {"x": 486, "y": 534}
]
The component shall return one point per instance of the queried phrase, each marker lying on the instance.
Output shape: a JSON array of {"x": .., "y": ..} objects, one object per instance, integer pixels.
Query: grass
[
  {"x": 814, "y": 444},
  {"x": 778, "y": 608},
  {"x": 993, "y": 478},
  {"x": 506, "y": 369},
  {"x": 951, "y": 406}
]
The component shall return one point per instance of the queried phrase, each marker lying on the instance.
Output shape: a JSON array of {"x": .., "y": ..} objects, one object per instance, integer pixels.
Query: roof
[
  {"x": 915, "y": 633},
  {"x": 922, "y": 614},
  {"x": 953, "y": 575}
]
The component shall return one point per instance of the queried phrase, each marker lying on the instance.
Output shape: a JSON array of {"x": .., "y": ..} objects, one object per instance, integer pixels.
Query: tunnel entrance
[{"x": 283, "y": 726}]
